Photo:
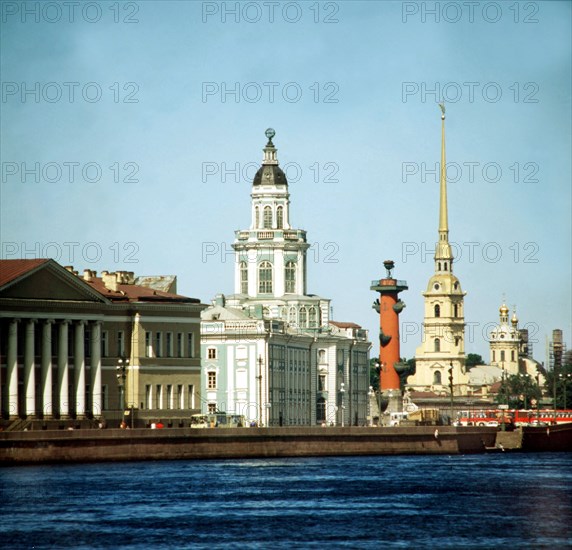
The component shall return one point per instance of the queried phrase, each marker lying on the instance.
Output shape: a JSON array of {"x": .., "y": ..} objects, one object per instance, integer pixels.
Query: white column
[
  {"x": 12, "y": 369},
  {"x": 63, "y": 367},
  {"x": 79, "y": 368},
  {"x": 29, "y": 369},
  {"x": 47, "y": 406},
  {"x": 96, "y": 404},
  {"x": 278, "y": 282}
]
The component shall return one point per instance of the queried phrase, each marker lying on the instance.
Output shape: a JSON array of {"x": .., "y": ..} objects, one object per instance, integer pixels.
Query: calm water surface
[{"x": 482, "y": 501}]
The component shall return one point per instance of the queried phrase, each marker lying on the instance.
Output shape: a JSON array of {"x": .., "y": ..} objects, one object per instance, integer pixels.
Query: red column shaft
[{"x": 389, "y": 354}]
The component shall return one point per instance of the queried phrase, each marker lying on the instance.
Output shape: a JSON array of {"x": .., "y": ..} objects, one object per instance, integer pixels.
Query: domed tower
[
  {"x": 270, "y": 257},
  {"x": 443, "y": 341},
  {"x": 504, "y": 342}
]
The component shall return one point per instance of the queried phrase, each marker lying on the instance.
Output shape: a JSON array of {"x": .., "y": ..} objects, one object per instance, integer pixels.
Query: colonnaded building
[
  {"x": 84, "y": 346},
  {"x": 442, "y": 350},
  {"x": 270, "y": 350}
]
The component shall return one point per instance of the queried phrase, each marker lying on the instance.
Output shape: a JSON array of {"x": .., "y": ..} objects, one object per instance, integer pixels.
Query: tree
[
  {"x": 374, "y": 373},
  {"x": 473, "y": 359},
  {"x": 518, "y": 390},
  {"x": 563, "y": 385}
]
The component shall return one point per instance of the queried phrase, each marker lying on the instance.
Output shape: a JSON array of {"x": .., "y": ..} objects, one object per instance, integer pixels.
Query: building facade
[
  {"x": 270, "y": 350},
  {"x": 86, "y": 346}
]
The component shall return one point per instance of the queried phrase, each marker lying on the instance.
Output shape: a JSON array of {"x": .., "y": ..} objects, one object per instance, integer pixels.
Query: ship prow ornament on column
[{"x": 389, "y": 306}]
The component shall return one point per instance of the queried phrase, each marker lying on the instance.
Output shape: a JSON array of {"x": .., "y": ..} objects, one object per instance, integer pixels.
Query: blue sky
[{"x": 359, "y": 128}]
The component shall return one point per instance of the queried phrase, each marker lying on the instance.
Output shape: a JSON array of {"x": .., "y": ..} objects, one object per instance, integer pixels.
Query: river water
[{"x": 474, "y": 501}]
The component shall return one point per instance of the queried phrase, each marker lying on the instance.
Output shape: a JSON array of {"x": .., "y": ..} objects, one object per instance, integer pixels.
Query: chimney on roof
[
  {"x": 125, "y": 277},
  {"x": 88, "y": 275},
  {"x": 110, "y": 280}
]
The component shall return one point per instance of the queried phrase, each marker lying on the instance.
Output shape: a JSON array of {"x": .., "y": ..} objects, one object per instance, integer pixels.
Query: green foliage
[
  {"x": 473, "y": 359},
  {"x": 373, "y": 374},
  {"x": 518, "y": 390},
  {"x": 563, "y": 386}
]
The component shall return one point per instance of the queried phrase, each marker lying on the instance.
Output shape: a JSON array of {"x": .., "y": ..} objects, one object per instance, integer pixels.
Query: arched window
[
  {"x": 313, "y": 318},
  {"x": 267, "y": 217},
  {"x": 445, "y": 266},
  {"x": 256, "y": 217},
  {"x": 303, "y": 317},
  {"x": 290, "y": 277},
  {"x": 265, "y": 278},
  {"x": 243, "y": 277},
  {"x": 439, "y": 266},
  {"x": 437, "y": 377},
  {"x": 265, "y": 312},
  {"x": 457, "y": 341},
  {"x": 455, "y": 310},
  {"x": 437, "y": 310},
  {"x": 280, "y": 217},
  {"x": 512, "y": 355},
  {"x": 502, "y": 355},
  {"x": 292, "y": 315},
  {"x": 437, "y": 344},
  {"x": 322, "y": 356},
  {"x": 494, "y": 356}
]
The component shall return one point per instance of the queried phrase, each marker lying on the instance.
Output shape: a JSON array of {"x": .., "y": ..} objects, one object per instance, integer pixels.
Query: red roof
[
  {"x": 339, "y": 324},
  {"x": 11, "y": 270},
  {"x": 137, "y": 293}
]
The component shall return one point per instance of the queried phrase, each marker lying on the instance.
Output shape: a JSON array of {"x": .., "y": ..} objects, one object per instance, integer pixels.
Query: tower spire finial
[
  {"x": 443, "y": 254},
  {"x": 270, "y": 150}
]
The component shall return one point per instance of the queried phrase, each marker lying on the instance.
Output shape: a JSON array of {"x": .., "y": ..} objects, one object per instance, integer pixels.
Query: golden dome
[
  {"x": 514, "y": 319},
  {"x": 503, "y": 310}
]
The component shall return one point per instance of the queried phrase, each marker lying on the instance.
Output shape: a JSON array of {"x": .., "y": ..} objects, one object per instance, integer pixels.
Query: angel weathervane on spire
[{"x": 442, "y": 107}]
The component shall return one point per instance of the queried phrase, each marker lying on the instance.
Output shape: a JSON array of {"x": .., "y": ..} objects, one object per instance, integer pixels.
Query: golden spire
[{"x": 443, "y": 254}]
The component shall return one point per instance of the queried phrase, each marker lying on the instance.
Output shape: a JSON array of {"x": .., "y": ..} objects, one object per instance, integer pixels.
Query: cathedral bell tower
[{"x": 442, "y": 345}]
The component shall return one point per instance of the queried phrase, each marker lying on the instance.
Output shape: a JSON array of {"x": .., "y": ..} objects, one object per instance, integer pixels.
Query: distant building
[
  {"x": 270, "y": 351},
  {"x": 442, "y": 349},
  {"x": 62, "y": 335}
]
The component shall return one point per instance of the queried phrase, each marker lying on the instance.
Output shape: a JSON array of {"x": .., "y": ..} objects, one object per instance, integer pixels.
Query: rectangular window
[
  {"x": 502, "y": 355},
  {"x": 86, "y": 342},
  {"x": 120, "y": 343},
  {"x": 512, "y": 355},
  {"x": 104, "y": 343},
  {"x": 211, "y": 380},
  {"x": 158, "y": 344},
  {"x": 212, "y": 408},
  {"x": 148, "y": 396},
  {"x": 180, "y": 344},
  {"x": 169, "y": 396},
  {"x": 104, "y": 397},
  {"x": 211, "y": 353},
  {"x": 158, "y": 396},
  {"x": 191, "y": 396},
  {"x": 148, "y": 345},
  {"x": 190, "y": 345},
  {"x": 169, "y": 344},
  {"x": 180, "y": 397}
]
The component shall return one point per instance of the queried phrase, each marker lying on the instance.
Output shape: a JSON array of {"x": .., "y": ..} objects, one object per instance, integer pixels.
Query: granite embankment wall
[{"x": 186, "y": 443}]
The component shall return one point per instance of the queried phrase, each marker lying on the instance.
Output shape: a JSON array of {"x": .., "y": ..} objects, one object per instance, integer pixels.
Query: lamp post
[
  {"x": 259, "y": 378},
  {"x": 342, "y": 391},
  {"x": 121, "y": 369},
  {"x": 503, "y": 427},
  {"x": 370, "y": 395},
  {"x": 451, "y": 387}
]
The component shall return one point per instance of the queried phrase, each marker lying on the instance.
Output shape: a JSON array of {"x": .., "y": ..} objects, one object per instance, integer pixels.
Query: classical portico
[{"x": 50, "y": 342}]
